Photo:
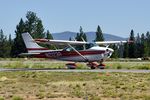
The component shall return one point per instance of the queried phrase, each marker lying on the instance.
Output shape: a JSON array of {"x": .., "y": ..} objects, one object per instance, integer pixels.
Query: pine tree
[
  {"x": 2, "y": 44},
  {"x": 34, "y": 25},
  {"x": 39, "y": 32},
  {"x": 148, "y": 42},
  {"x": 120, "y": 50},
  {"x": 146, "y": 46},
  {"x": 70, "y": 39},
  {"x": 81, "y": 35},
  {"x": 116, "y": 50},
  {"x": 10, "y": 40},
  {"x": 18, "y": 44},
  {"x": 78, "y": 37},
  {"x": 5, "y": 45},
  {"x": 126, "y": 52},
  {"x": 132, "y": 45},
  {"x": 9, "y": 46},
  {"x": 49, "y": 36},
  {"x": 138, "y": 49},
  {"x": 99, "y": 34},
  {"x": 143, "y": 45},
  {"x": 84, "y": 37}
]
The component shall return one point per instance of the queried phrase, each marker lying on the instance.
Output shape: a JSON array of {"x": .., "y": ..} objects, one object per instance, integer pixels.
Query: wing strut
[{"x": 78, "y": 52}]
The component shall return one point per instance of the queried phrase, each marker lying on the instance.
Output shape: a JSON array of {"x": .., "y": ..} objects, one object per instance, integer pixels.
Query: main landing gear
[
  {"x": 94, "y": 65},
  {"x": 71, "y": 65}
]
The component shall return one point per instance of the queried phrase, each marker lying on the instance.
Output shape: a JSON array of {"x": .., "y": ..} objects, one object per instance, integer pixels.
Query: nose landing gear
[
  {"x": 92, "y": 65},
  {"x": 101, "y": 65}
]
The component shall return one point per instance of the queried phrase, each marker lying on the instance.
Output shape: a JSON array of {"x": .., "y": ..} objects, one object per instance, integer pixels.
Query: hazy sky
[{"x": 116, "y": 17}]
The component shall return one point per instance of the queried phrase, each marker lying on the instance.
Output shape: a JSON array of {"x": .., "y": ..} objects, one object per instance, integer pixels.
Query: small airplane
[{"x": 75, "y": 51}]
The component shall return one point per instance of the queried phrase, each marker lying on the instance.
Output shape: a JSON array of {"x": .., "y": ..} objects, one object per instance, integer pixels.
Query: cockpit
[
  {"x": 90, "y": 45},
  {"x": 80, "y": 47}
]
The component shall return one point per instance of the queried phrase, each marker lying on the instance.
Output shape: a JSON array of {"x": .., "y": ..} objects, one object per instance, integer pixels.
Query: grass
[
  {"x": 78, "y": 86},
  {"x": 73, "y": 86},
  {"x": 128, "y": 65},
  {"x": 1, "y": 98},
  {"x": 43, "y": 63},
  {"x": 17, "y": 98}
]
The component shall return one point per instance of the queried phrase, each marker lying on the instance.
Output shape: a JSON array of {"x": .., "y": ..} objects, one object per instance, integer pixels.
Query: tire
[
  {"x": 101, "y": 67},
  {"x": 92, "y": 67}
]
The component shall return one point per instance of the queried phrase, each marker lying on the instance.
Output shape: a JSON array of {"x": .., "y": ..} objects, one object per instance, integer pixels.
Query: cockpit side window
[
  {"x": 80, "y": 47},
  {"x": 76, "y": 47},
  {"x": 68, "y": 49}
]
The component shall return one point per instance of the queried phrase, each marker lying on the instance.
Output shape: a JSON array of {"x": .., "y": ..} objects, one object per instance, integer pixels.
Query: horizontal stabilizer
[{"x": 28, "y": 54}]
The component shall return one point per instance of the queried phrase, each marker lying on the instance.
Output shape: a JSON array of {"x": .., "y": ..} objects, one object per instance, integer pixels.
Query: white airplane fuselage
[{"x": 95, "y": 53}]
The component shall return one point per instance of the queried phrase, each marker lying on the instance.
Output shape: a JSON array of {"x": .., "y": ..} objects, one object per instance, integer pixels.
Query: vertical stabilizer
[{"x": 30, "y": 44}]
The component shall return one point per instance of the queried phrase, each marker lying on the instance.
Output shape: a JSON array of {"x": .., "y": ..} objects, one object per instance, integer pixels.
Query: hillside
[{"x": 90, "y": 36}]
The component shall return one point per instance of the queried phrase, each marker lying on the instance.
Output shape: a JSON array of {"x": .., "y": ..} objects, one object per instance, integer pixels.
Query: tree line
[{"x": 140, "y": 47}]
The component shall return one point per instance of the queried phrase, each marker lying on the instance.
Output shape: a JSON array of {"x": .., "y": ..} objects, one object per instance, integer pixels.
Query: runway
[{"x": 72, "y": 70}]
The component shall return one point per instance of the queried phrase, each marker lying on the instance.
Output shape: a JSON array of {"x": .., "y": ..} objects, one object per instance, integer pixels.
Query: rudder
[{"x": 30, "y": 44}]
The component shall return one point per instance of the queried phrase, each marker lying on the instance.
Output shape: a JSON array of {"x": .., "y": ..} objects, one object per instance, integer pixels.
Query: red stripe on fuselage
[
  {"x": 54, "y": 55},
  {"x": 73, "y": 53},
  {"x": 67, "y": 54},
  {"x": 41, "y": 56},
  {"x": 37, "y": 49}
]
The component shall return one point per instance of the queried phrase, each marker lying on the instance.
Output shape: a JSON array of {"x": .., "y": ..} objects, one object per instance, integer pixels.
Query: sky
[{"x": 115, "y": 17}]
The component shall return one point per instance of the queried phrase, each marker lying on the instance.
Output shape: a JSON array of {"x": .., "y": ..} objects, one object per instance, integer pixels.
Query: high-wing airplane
[{"x": 75, "y": 51}]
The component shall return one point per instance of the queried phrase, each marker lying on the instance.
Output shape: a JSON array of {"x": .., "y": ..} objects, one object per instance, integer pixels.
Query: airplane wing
[
  {"x": 60, "y": 42},
  {"x": 112, "y": 42},
  {"x": 65, "y": 42}
]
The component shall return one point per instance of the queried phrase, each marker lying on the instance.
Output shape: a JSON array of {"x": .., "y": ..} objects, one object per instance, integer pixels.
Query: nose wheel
[
  {"x": 101, "y": 65},
  {"x": 92, "y": 65}
]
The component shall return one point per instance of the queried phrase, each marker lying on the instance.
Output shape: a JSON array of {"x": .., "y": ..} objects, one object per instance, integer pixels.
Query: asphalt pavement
[{"x": 72, "y": 70}]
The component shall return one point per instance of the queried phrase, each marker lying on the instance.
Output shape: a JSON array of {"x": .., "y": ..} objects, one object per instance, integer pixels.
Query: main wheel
[
  {"x": 71, "y": 66},
  {"x": 101, "y": 66},
  {"x": 92, "y": 67}
]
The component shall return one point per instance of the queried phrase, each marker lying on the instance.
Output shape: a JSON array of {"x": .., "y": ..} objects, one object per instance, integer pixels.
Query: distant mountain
[{"x": 90, "y": 36}]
